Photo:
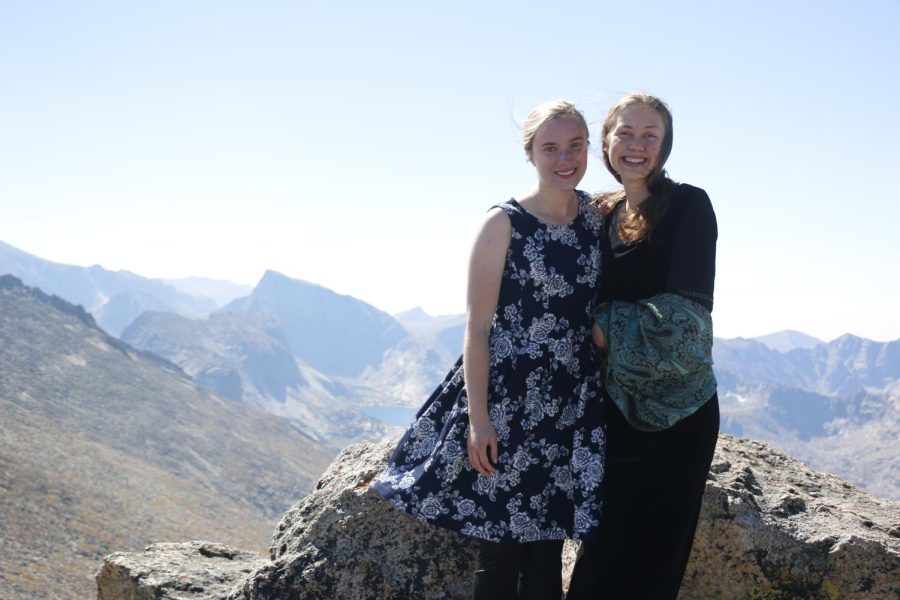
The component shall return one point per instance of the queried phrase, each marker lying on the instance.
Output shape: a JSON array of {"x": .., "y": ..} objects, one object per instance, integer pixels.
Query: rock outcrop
[
  {"x": 175, "y": 572},
  {"x": 344, "y": 541},
  {"x": 770, "y": 528}
]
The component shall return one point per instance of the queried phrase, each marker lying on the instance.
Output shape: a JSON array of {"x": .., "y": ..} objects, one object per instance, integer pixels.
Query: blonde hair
[
  {"x": 554, "y": 109},
  {"x": 641, "y": 221}
]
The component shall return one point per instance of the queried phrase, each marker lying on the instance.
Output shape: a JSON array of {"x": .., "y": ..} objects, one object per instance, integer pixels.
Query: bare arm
[{"x": 486, "y": 265}]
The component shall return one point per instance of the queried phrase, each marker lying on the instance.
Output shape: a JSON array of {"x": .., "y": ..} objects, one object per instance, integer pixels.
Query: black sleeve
[{"x": 692, "y": 269}]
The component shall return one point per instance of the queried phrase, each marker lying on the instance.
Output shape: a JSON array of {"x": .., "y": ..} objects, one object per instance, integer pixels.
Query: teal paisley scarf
[{"x": 659, "y": 366}]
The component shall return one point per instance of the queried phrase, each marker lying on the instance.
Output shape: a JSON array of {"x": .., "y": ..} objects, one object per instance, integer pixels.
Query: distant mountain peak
[
  {"x": 274, "y": 279},
  {"x": 270, "y": 274},
  {"x": 787, "y": 340},
  {"x": 413, "y": 314},
  {"x": 334, "y": 333},
  {"x": 849, "y": 337}
]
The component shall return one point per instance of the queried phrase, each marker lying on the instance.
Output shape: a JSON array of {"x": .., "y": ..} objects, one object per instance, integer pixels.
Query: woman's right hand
[
  {"x": 599, "y": 338},
  {"x": 482, "y": 446}
]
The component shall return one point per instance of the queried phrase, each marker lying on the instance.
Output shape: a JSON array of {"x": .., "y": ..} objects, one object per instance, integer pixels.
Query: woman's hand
[
  {"x": 482, "y": 446},
  {"x": 599, "y": 338}
]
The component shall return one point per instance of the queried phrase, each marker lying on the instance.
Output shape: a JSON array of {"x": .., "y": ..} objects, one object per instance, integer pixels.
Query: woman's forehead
[{"x": 639, "y": 115}]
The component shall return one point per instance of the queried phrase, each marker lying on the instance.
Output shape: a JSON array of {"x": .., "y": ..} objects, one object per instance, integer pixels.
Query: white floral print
[{"x": 544, "y": 402}]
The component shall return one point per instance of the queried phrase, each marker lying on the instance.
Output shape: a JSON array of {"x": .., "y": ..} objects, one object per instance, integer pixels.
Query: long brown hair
[{"x": 642, "y": 220}]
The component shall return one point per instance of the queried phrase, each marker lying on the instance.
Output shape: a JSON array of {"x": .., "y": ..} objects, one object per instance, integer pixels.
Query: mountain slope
[
  {"x": 102, "y": 446},
  {"x": 246, "y": 358},
  {"x": 228, "y": 353}
]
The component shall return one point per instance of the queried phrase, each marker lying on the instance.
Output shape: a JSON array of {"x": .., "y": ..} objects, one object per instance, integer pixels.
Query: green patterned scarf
[{"x": 659, "y": 366}]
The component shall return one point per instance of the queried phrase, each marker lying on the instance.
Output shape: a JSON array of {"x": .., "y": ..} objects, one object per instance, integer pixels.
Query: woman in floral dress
[{"x": 509, "y": 449}]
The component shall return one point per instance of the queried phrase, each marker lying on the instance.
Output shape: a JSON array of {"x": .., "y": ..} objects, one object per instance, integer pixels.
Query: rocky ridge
[{"x": 770, "y": 528}]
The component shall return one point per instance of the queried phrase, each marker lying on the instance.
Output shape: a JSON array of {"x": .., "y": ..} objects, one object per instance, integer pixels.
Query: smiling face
[
  {"x": 559, "y": 153},
  {"x": 634, "y": 143}
]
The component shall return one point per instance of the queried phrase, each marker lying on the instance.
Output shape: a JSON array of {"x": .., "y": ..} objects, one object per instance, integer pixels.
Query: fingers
[
  {"x": 479, "y": 462},
  {"x": 483, "y": 457},
  {"x": 480, "y": 465},
  {"x": 487, "y": 463},
  {"x": 492, "y": 449}
]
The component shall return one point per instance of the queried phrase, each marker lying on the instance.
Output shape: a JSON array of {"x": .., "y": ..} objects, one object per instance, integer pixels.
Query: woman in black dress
[{"x": 656, "y": 294}]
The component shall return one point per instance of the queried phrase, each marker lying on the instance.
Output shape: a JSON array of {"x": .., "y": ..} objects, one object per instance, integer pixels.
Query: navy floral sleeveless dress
[{"x": 544, "y": 400}]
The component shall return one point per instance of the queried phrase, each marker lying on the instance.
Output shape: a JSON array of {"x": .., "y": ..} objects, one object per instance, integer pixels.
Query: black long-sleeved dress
[{"x": 654, "y": 479}]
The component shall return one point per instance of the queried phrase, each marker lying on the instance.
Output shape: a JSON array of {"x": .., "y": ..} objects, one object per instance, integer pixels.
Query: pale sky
[{"x": 358, "y": 144}]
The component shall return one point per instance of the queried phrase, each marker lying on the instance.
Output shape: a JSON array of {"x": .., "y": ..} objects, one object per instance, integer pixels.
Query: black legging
[
  {"x": 652, "y": 491},
  {"x": 527, "y": 571}
]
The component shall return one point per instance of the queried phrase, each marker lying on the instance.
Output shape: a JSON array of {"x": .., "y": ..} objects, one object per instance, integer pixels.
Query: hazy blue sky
[{"x": 358, "y": 144}]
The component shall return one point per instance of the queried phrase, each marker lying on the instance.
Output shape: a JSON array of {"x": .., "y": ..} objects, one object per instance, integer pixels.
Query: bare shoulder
[
  {"x": 495, "y": 225},
  {"x": 492, "y": 240}
]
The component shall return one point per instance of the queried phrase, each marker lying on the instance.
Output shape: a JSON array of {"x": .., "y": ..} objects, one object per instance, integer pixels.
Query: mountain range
[
  {"x": 115, "y": 298},
  {"x": 331, "y": 362},
  {"x": 290, "y": 347},
  {"x": 211, "y": 413},
  {"x": 280, "y": 347},
  {"x": 835, "y": 405}
]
